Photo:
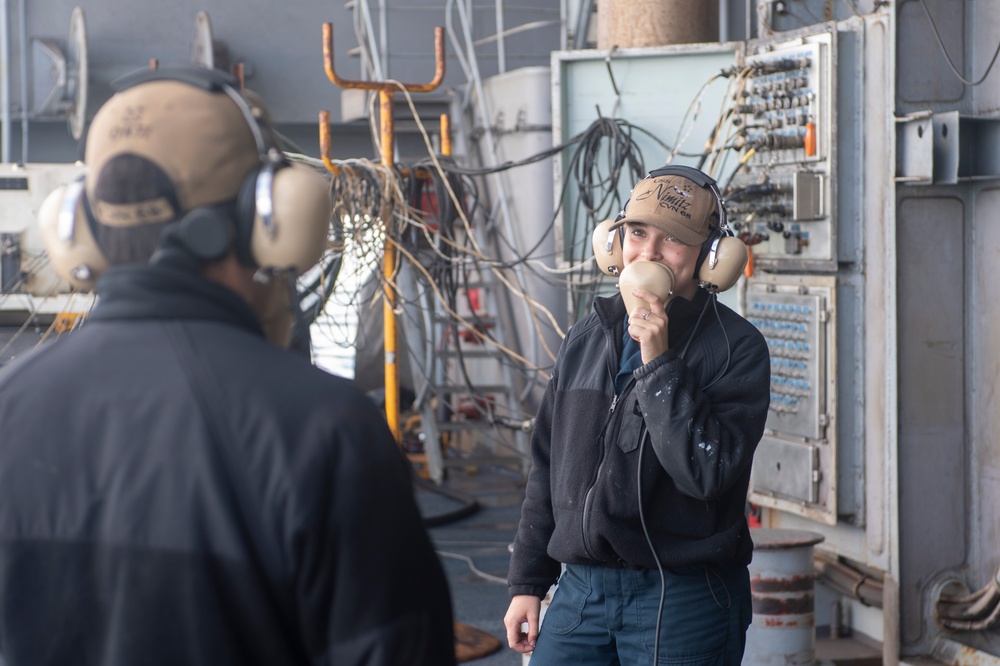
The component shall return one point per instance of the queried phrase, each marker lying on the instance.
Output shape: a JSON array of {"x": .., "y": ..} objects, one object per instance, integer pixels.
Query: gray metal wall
[
  {"x": 918, "y": 350},
  {"x": 948, "y": 252},
  {"x": 280, "y": 45}
]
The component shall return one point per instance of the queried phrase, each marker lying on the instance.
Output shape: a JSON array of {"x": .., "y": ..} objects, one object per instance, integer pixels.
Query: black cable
[
  {"x": 447, "y": 275},
  {"x": 638, "y": 479},
  {"x": 736, "y": 194},
  {"x": 642, "y": 516},
  {"x": 947, "y": 58},
  {"x": 694, "y": 329},
  {"x": 554, "y": 150},
  {"x": 729, "y": 350},
  {"x": 764, "y": 188},
  {"x": 469, "y": 506},
  {"x": 597, "y": 183},
  {"x": 604, "y": 153},
  {"x": 652, "y": 548},
  {"x": 321, "y": 288},
  {"x": 510, "y": 164}
]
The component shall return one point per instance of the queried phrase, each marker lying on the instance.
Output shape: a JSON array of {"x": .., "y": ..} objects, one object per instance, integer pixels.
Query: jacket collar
[{"x": 147, "y": 291}]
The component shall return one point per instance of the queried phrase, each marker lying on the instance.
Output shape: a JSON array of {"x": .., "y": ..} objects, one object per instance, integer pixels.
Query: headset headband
[
  {"x": 210, "y": 80},
  {"x": 701, "y": 179}
]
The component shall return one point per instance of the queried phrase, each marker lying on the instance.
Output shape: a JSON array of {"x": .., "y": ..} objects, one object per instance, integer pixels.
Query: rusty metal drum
[{"x": 782, "y": 586}]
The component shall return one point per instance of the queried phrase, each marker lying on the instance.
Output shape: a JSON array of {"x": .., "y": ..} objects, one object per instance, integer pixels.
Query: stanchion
[{"x": 782, "y": 584}]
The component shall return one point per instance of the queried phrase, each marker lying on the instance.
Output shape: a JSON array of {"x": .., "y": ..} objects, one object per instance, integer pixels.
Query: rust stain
[
  {"x": 969, "y": 657},
  {"x": 795, "y": 605},
  {"x": 785, "y": 623},
  {"x": 802, "y": 583}
]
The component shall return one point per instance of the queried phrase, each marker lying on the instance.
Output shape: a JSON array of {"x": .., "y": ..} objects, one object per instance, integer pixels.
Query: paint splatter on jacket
[{"x": 693, "y": 420}]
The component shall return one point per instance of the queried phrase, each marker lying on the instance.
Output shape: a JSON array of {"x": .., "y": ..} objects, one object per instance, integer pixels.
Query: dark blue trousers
[{"x": 608, "y": 616}]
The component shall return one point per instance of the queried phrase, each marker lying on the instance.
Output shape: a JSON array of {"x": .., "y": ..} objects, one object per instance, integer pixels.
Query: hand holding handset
[{"x": 649, "y": 275}]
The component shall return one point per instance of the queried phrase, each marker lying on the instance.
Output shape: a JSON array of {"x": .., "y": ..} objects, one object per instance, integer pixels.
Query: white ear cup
[
  {"x": 724, "y": 264},
  {"x": 648, "y": 275},
  {"x": 71, "y": 246},
  {"x": 291, "y": 226},
  {"x": 607, "y": 248}
]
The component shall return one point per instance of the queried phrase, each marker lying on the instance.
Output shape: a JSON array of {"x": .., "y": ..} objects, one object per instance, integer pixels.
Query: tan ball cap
[
  {"x": 199, "y": 140},
  {"x": 673, "y": 204}
]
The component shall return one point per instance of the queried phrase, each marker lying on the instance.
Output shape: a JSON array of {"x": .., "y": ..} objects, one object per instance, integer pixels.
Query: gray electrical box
[
  {"x": 783, "y": 201},
  {"x": 795, "y": 467}
]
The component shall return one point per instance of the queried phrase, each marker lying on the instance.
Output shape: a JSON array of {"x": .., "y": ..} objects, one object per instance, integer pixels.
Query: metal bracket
[
  {"x": 69, "y": 68},
  {"x": 946, "y": 148}
]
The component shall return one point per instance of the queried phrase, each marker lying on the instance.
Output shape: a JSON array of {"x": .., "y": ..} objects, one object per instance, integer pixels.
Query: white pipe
[
  {"x": 501, "y": 47},
  {"x": 383, "y": 37},
  {"x": 586, "y": 10},
  {"x": 524, "y": 27},
  {"x": 5, "y": 83},
  {"x": 366, "y": 17},
  {"x": 450, "y": 29},
  {"x": 564, "y": 20},
  {"x": 24, "y": 82},
  {"x": 359, "y": 34},
  {"x": 497, "y": 177}
]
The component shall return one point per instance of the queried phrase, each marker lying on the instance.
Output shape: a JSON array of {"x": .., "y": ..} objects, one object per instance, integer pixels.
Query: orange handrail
[{"x": 387, "y": 139}]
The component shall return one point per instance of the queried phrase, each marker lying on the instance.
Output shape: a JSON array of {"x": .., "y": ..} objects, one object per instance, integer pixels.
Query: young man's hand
[
  {"x": 524, "y": 608},
  {"x": 648, "y": 326}
]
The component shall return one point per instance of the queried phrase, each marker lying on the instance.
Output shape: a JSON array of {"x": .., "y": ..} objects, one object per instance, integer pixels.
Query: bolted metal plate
[{"x": 786, "y": 469}]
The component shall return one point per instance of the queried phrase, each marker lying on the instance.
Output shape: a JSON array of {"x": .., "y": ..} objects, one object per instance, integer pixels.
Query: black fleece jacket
[
  {"x": 177, "y": 490},
  {"x": 692, "y": 417}
]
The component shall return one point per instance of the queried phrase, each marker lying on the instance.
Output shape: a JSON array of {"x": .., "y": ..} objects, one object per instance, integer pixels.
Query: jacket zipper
[{"x": 604, "y": 447}]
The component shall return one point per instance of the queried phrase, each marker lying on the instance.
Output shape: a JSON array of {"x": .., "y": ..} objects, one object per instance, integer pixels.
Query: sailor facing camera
[
  {"x": 177, "y": 487},
  {"x": 642, "y": 447}
]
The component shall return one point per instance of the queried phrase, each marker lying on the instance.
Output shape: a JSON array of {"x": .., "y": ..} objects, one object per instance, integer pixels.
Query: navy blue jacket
[
  {"x": 693, "y": 416},
  {"x": 177, "y": 490}
]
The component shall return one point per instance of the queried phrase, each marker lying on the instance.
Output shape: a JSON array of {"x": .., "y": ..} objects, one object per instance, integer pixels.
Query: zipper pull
[{"x": 614, "y": 403}]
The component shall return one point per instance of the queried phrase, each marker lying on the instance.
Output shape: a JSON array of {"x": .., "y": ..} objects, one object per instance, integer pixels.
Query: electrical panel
[
  {"x": 794, "y": 196},
  {"x": 782, "y": 200},
  {"x": 795, "y": 464}
]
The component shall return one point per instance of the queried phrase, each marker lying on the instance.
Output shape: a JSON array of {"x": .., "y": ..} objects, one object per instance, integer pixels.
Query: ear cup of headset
[
  {"x": 607, "y": 244},
  {"x": 722, "y": 268},
  {"x": 70, "y": 244},
  {"x": 283, "y": 217},
  {"x": 206, "y": 233}
]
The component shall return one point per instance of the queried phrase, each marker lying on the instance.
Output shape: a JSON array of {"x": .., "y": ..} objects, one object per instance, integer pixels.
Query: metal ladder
[
  {"x": 467, "y": 393},
  {"x": 447, "y": 403}
]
